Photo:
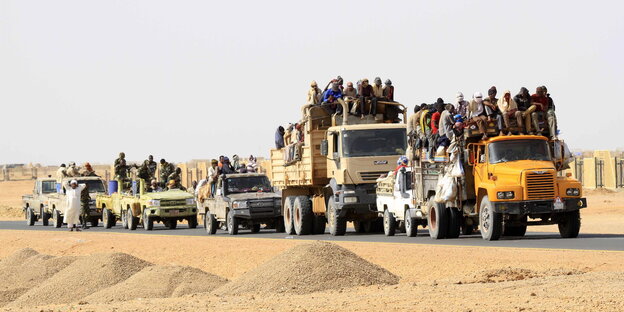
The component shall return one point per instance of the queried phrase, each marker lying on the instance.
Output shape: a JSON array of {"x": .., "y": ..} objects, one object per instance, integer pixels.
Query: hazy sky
[{"x": 84, "y": 80}]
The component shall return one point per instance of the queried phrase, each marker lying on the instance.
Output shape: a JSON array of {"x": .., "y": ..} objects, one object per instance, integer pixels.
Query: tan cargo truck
[{"x": 328, "y": 176}]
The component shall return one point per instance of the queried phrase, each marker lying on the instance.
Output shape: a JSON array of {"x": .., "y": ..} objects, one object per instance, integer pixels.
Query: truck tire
[
  {"x": 376, "y": 226},
  {"x": 30, "y": 217},
  {"x": 211, "y": 223},
  {"x": 279, "y": 225},
  {"x": 192, "y": 222},
  {"x": 319, "y": 225},
  {"x": 411, "y": 226},
  {"x": 124, "y": 219},
  {"x": 148, "y": 222},
  {"x": 515, "y": 230},
  {"x": 45, "y": 218},
  {"x": 437, "y": 219},
  {"x": 255, "y": 228},
  {"x": 56, "y": 217},
  {"x": 171, "y": 224},
  {"x": 454, "y": 225},
  {"x": 132, "y": 220},
  {"x": 358, "y": 226},
  {"x": 288, "y": 216},
  {"x": 570, "y": 224},
  {"x": 389, "y": 222},
  {"x": 490, "y": 222},
  {"x": 302, "y": 215},
  {"x": 108, "y": 219},
  {"x": 337, "y": 224},
  {"x": 232, "y": 223}
]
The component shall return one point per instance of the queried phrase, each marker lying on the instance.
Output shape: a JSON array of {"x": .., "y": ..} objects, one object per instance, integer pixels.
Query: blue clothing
[
  {"x": 279, "y": 139},
  {"x": 330, "y": 92}
]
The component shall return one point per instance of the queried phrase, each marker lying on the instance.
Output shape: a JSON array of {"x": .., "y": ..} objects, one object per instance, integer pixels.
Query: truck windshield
[
  {"x": 48, "y": 187},
  {"x": 377, "y": 142},
  {"x": 95, "y": 186},
  {"x": 506, "y": 151},
  {"x": 248, "y": 185}
]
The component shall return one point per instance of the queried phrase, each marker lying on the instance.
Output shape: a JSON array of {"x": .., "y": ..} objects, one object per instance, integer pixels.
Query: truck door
[{"x": 479, "y": 162}]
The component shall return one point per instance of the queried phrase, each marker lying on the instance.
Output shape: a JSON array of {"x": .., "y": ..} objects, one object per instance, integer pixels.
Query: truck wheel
[
  {"x": 56, "y": 217},
  {"x": 411, "y": 227},
  {"x": 132, "y": 221},
  {"x": 232, "y": 223},
  {"x": 570, "y": 224},
  {"x": 319, "y": 225},
  {"x": 490, "y": 222},
  {"x": 515, "y": 230},
  {"x": 108, "y": 219},
  {"x": 437, "y": 219},
  {"x": 389, "y": 223},
  {"x": 288, "y": 216},
  {"x": 337, "y": 225},
  {"x": 279, "y": 225},
  {"x": 30, "y": 217},
  {"x": 171, "y": 224},
  {"x": 303, "y": 215},
  {"x": 124, "y": 219},
  {"x": 362, "y": 226},
  {"x": 211, "y": 223},
  {"x": 454, "y": 223},
  {"x": 45, "y": 218},
  {"x": 376, "y": 226},
  {"x": 192, "y": 222},
  {"x": 255, "y": 228},
  {"x": 148, "y": 222}
]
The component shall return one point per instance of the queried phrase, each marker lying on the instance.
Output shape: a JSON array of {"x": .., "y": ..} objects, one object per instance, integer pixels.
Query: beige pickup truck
[{"x": 244, "y": 200}]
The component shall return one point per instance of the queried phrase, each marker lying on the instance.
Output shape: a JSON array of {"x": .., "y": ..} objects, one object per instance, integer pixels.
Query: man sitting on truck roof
[
  {"x": 551, "y": 118},
  {"x": 350, "y": 96},
  {"x": 477, "y": 114},
  {"x": 88, "y": 171},
  {"x": 446, "y": 126},
  {"x": 72, "y": 170},
  {"x": 365, "y": 91},
  {"x": 314, "y": 94},
  {"x": 332, "y": 100},
  {"x": 461, "y": 106},
  {"x": 509, "y": 108},
  {"x": 492, "y": 110},
  {"x": 523, "y": 101},
  {"x": 540, "y": 101}
]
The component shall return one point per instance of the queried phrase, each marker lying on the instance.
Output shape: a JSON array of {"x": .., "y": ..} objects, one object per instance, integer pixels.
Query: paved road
[{"x": 614, "y": 242}]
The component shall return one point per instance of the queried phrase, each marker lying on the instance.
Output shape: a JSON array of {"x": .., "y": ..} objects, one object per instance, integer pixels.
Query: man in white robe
[{"x": 73, "y": 206}]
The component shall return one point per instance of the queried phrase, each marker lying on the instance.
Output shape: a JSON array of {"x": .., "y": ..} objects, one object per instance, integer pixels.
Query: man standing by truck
[
  {"x": 73, "y": 192},
  {"x": 85, "y": 198}
]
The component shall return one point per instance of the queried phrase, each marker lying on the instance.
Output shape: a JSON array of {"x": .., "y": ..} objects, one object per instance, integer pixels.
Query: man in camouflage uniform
[
  {"x": 151, "y": 165},
  {"x": 121, "y": 169},
  {"x": 144, "y": 172},
  {"x": 85, "y": 198},
  {"x": 176, "y": 177},
  {"x": 166, "y": 169}
]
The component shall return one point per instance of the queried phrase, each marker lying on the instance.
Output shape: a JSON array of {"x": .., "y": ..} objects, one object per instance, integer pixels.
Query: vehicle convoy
[
  {"x": 500, "y": 185},
  {"x": 243, "y": 200},
  {"x": 328, "y": 175},
  {"x": 46, "y": 203},
  {"x": 135, "y": 205},
  {"x": 35, "y": 205}
]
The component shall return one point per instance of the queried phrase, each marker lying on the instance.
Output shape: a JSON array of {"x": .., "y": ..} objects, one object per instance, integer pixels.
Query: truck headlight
[
  {"x": 505, "y": 195},
  {"x": 573, "y": 192},
  {"x": 350, "y": 200},
  {"x": 153, "y": 202},
  {"x": 239, "y": 204},
  {"x": 190, "y": 201}
]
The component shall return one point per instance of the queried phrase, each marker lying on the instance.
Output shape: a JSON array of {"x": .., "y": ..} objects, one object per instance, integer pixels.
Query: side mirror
[
  {"x": 324, "y": 148},
  {"x": 482, "y": 158}
]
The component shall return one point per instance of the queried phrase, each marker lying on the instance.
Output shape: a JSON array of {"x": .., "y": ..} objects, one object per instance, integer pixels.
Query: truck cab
[
  {"x": 35, "y": 205},
  {"x": 245, "y": 199}
]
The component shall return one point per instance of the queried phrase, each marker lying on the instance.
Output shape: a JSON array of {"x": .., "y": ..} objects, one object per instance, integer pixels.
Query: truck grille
[
  {"x": 173, "y": 202},
  {"x": 371, "y": 175},
  {"x": 540, "y": 186},
  {"x": 265, "y": 203}
]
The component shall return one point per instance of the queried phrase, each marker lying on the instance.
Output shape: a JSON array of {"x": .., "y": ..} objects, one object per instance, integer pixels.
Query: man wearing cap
[{"x": 71, "y": 215}]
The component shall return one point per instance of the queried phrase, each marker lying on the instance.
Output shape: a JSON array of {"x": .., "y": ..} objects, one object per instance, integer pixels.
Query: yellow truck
[
  {"x": 327, "y": 174},
  {"x": 500, "y": 185}
]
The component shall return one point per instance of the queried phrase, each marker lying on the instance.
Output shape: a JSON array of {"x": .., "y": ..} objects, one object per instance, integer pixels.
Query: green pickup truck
[{"x": 137, "y": 206}]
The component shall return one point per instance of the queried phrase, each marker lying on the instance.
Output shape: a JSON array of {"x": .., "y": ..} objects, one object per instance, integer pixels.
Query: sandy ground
[{"x": 432, "y": 278}]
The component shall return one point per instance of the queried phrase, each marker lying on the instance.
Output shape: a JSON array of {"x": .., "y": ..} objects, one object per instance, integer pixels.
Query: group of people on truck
[
  {"x": 435, "y": 125},
  {"x": 170, "y": 175},
  {"x": 356, "y": 99}
]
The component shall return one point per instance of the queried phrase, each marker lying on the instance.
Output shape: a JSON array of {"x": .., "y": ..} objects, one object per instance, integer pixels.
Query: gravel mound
[
  {"x": 513, "y": 274},
  {"x": 308, "y": 268},
  {"x": 81, "y": 278},
  {"x": 159, "y": 282},
  {"x": 26, "y": 269}
]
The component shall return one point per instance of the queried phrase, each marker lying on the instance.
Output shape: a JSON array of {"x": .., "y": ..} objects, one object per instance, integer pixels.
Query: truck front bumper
[
  {"x": 539, "y": 206},
  {"x": 357, "y": 200},
  {"x": 258, "y": 213},
  {"x": 172, "y": 212}
]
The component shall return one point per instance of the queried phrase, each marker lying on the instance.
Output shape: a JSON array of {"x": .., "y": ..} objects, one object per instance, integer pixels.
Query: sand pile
[
  {"x": 81, "y": 278},
  {"x": 25, "y": 269},
  {"x": 309, "y": 268},
  {"x": 159, "y": 282},
  {"x": 513, "y": 274}
]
